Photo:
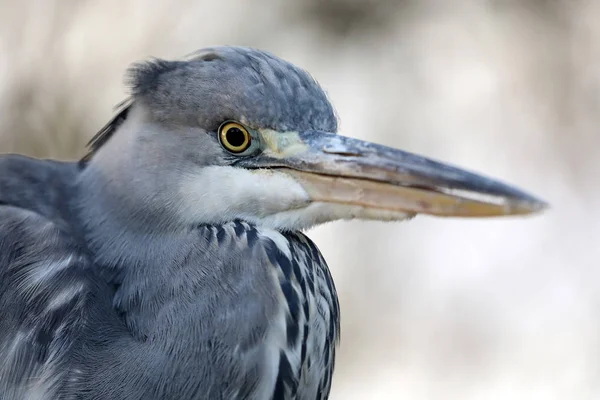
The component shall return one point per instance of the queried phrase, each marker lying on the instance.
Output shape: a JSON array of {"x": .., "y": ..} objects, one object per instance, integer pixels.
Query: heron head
[{"x": 237, "y": 133}]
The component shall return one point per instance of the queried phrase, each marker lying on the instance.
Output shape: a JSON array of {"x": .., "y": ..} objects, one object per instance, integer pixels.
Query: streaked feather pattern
[{"x": 67, "y": 333}]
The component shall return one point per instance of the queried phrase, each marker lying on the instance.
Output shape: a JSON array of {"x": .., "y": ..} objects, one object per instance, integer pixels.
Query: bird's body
[
  {"x": 81, "y": 323},
  {"x": 169, "y": 262}
]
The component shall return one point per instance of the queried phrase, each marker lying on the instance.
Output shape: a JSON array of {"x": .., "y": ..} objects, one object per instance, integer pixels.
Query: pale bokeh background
[{"x": 431, "y": 309}]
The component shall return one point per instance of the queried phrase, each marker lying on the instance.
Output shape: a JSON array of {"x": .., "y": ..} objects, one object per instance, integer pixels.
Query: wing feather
[{"x": 42, "y": 293}]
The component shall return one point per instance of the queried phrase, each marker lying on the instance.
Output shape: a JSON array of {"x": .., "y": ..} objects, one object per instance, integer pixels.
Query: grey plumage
[
  {"x": 85, "y": 330},
  {"x": 165, "y": 265}
]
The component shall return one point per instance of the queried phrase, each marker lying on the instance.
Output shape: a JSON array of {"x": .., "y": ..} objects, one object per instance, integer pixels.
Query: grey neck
[
  {"x": 172, "y": 284},
  {"x": 117, "y": 230},
  {"x": 149, "y": 260}
]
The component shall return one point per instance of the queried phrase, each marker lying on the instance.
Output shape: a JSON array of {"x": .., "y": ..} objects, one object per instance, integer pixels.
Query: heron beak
[{"x": 338, "y": 169}]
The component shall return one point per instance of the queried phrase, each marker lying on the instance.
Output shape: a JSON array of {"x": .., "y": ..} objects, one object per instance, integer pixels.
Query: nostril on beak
[{"x": 340, "y": 150}]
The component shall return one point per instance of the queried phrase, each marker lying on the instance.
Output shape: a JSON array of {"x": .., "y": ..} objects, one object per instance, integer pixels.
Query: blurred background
[{"x": 433, "y": 308}]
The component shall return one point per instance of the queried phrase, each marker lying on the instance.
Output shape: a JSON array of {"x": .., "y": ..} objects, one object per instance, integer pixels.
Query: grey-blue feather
[
  {"x": 108, "y": 292},
  {"x": 193, "y": 316},
  {"x": 230, "y": 82}
]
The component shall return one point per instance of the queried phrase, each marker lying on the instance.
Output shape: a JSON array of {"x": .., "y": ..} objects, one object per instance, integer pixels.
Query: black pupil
[{"x": 235, "y": 137}]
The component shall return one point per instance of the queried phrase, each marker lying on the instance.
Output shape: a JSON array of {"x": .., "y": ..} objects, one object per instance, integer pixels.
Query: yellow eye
[{"x": 234, "y": 137}]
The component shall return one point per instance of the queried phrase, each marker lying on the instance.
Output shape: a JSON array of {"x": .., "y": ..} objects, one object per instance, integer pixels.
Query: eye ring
[{"x": 234, "y": 137}]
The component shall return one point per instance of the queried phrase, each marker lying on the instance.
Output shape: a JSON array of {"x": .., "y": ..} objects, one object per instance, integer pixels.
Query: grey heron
[{"x": 169, "y": 262}]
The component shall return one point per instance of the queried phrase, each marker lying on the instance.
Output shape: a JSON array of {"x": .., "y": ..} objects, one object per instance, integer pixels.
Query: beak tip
[
  {"x": 541, "y": 205},
  {"x": 532, "y": 206}
]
